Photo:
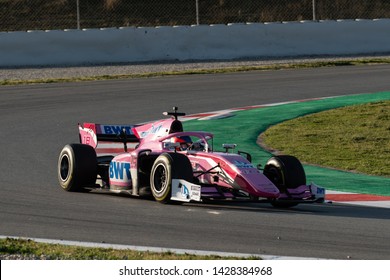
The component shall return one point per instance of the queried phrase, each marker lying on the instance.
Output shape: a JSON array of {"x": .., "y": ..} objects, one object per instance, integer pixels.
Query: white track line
[{"x": 155, "y": 249}]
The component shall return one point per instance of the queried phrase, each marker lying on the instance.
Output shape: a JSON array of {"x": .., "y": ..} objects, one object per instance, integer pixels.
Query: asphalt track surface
[{"x": 36, "y": 121}]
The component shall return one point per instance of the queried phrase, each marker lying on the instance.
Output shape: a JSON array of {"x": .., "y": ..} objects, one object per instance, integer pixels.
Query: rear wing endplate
[{"x": 108, "y": 139}]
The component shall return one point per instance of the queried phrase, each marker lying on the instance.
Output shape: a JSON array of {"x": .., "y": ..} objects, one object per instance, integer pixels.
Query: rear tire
[
  {"x": 286, "y": 172},
  {"x": 77, "y": 167},
  {"x": 168, "y": 166}
]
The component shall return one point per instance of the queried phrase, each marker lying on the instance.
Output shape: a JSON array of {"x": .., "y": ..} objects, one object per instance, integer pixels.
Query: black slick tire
[
  {"x": 168, "y": 166},
  {"x": 286, "y": 172},
  {"x": 77, "y": 167}
]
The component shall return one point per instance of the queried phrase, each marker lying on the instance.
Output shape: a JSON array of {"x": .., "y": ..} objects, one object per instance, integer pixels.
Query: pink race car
[{"x": 159, "y": 159}]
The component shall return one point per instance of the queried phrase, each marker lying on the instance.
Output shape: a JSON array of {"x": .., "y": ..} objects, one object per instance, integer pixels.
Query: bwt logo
[
  {"x": 119, "y": 169},
  {"x": 117, "y": 129}
]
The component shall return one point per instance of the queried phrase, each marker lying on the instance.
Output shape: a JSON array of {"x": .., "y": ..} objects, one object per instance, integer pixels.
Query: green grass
[
  {"x": 355, "y": 138},
  {"x": 347, "y": 62},
  {"x": 29, "y": 249}
]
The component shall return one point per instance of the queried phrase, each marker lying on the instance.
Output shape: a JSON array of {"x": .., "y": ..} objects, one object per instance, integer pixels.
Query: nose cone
[{"x": 257, "y": 184}]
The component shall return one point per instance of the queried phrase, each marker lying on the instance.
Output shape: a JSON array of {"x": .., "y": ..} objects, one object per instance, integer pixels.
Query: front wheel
[
  {"x": 166, "y": 167},
  {"x": 77, "y": 167},
  {"x": 285, "y": 172}
]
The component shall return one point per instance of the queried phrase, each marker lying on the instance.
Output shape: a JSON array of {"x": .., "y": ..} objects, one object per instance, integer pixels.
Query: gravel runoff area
[{"x": 80, "y": 71}]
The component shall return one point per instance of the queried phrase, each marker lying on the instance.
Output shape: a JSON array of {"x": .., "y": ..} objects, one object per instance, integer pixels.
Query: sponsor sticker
[
  {"x": 116, "y": 129},
  {"x": 120, "y": 171},
  {"x": 152, "y": 130},
  {"x": 242, "y": 164}
]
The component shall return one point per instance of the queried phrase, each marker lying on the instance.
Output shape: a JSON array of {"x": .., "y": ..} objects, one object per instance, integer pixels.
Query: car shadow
[{"x": 320, "y": 209}]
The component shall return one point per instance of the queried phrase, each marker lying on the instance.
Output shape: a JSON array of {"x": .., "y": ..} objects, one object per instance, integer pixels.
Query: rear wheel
[
  {"x": 166, "y": 167},
  {"x": 77, "y": 167},
  {"x": 286, "y": 172}
]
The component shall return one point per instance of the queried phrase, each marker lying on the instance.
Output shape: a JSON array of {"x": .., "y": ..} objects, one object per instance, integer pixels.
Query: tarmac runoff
[
  {"x": 333, "y": 195},
  {"x": 341, "y": 186}
]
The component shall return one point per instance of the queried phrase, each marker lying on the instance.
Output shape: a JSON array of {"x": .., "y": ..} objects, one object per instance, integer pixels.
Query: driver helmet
[{"x": 185, "y": 142}]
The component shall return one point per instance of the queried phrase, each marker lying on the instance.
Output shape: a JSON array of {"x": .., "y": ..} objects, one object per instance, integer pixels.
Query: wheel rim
[
  {"x": 64, "y": 168},
  {"x": 160, "y": 178},
  {"x": 274, "y": 175}
]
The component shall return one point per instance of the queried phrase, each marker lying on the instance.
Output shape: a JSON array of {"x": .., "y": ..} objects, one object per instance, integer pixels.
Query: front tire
[
  {"x": 285, "y": 172},
  {"x": 166, "y": 167},
  {"x": 77, "y": 167}
]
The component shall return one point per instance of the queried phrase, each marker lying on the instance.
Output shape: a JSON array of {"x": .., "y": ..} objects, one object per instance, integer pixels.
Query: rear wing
[{"x": 108, "y": 139}]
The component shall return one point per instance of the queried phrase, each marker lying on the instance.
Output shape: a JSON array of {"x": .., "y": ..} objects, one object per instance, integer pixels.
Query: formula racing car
[{"x": 160, "y": 160}]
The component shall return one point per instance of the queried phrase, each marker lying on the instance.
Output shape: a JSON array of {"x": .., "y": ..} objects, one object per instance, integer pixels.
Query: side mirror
[
  {"x": 171, "y": 146},
  {"x": 228, "y": 147}
]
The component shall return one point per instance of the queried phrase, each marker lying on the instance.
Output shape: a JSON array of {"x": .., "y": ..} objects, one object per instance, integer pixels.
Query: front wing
[{"x": 185, "y": 191}]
